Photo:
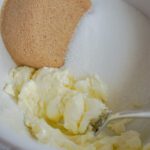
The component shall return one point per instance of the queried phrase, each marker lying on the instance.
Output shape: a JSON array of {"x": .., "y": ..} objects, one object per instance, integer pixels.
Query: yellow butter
[{"x": 56, "y": 103}]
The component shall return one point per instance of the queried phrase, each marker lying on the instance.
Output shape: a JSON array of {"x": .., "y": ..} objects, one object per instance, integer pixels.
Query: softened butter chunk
[
  {"x": 58, "y": 96},
  {"x": 18, "y": 76},
  {"x": 59, "y": 109}
]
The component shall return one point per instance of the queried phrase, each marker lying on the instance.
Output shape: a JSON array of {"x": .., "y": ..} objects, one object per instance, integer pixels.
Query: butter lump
[
  {"x": 51, "y": 82},
  {"x": 126, "y": 141},
  {"x": 64, "y": 100},
  {"x": 18, "y": 76},
  {"x": 28, "y": 98},
  {"x": 56, "y": 103},
  {"x": 73, "y": 112},
  {"x": 53, "y": 109},
  {"x": 93, "y": 109},
  {"x": 93, "y": 86}
]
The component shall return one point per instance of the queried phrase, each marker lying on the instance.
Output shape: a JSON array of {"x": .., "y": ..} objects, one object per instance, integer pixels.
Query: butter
[
  {"x": 60, "y": 108},
  {"x": 74, "y": 112},
  {"x": 18, "y": 76}
]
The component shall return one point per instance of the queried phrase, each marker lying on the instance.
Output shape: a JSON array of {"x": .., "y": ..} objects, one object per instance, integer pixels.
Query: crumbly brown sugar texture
[{"x": 37, "y": 32}]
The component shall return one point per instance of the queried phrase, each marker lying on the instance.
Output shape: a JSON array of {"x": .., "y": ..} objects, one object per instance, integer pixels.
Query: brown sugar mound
[{"x": 37, "y": 32}]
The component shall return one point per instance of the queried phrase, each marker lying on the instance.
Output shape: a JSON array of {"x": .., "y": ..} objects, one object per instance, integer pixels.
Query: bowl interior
[{"x": 112, "y": 40}]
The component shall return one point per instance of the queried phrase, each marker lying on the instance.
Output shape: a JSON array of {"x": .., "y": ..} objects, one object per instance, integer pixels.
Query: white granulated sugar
[{"x": 108, "y": 41}]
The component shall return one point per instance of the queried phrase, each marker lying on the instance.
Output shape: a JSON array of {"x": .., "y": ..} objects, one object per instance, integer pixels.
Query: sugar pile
[{"x": 107, "y": 40}]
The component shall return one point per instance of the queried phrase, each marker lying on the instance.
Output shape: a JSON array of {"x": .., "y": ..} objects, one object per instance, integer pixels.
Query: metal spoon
[{"x": 103, "y": 122}]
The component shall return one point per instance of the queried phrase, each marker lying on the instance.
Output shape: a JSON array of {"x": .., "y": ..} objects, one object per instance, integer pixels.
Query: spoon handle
[{"x": 130, "y": 114}]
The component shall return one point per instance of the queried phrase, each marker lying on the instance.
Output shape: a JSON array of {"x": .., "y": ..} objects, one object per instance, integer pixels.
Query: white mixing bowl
[{"x": 114, "y": 41}]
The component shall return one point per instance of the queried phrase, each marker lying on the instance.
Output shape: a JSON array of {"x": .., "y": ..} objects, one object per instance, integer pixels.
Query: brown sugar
[{"x": 37, "y": 32}]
